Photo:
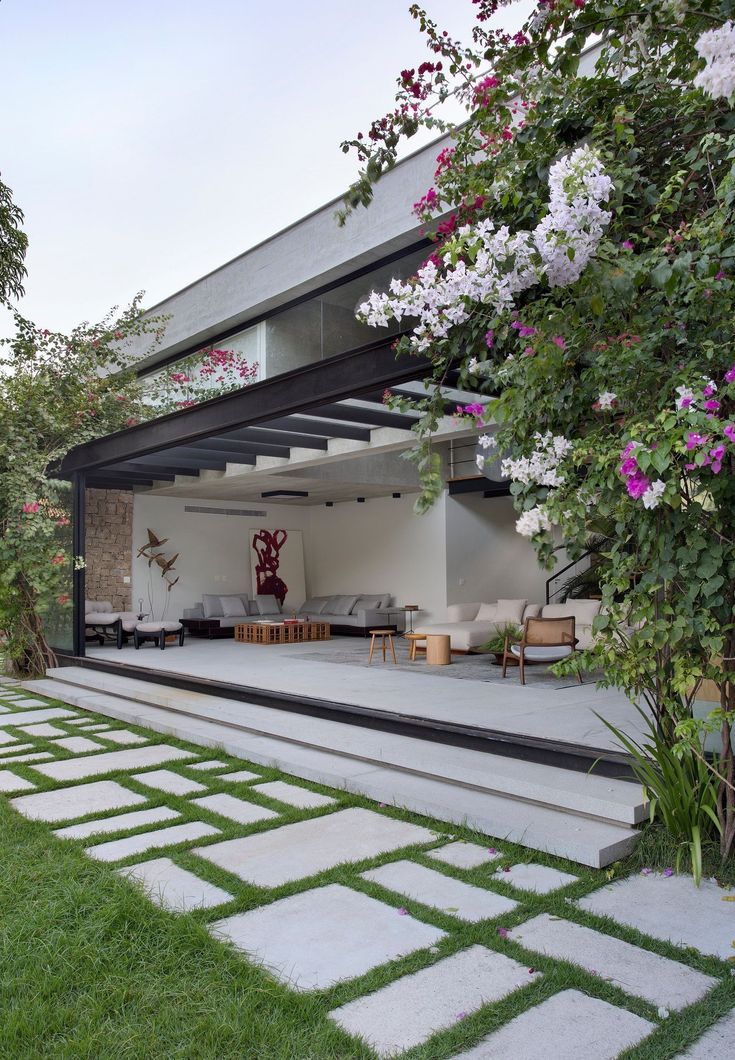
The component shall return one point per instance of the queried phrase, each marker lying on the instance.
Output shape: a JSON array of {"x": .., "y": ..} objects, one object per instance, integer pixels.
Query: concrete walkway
[{"x": 407, "y": 934}]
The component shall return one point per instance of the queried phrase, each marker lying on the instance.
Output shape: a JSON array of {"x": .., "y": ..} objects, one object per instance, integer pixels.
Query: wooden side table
[
  {"x": 438, "y": 649},
  {"x": 413, "y": 639},
  {"x": 385, "y": 635}
]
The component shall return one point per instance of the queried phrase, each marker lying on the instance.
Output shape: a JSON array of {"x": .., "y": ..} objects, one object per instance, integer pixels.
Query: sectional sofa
[
  {"x": 472, "y": 625},
  {"x": 351, "y": 614}
]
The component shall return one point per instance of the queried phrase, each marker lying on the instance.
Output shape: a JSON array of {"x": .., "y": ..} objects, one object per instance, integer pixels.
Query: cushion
[
  {"x": 341, "y": 605},
  {"x": 487, "y": 613},
  {"x": 212, "y": 605},
  {"x": 154, "y": 627},
  {"x": 584, "y": 611},
  {"x": 98, "y": 606},
  {"x": 542, "y": 654},
  {"x": 267, "y": 605},
  {"x": 369, "y": 603},
  {"x": 510, "y": 611},
  {"x": 233, "y": 606},
  {"x": 101, "y": 618},
  {"x": 314, "y": 606}
]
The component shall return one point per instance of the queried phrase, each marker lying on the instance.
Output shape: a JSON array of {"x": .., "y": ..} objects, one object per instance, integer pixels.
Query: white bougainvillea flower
[{"x": 717, "y": 48}]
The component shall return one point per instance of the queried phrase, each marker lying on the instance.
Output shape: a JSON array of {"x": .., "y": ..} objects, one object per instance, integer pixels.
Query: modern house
[{"x": 183, "y": 510}]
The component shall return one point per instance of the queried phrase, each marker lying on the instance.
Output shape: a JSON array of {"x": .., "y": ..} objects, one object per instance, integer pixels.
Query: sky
[{"x": 150, "y": 141}]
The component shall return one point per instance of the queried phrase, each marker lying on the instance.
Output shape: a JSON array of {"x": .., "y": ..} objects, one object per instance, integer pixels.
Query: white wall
[
  {"x": 214, "y": 549},
  {"x": 486, "y": 558},
  {"x": 380, "y": 546}
]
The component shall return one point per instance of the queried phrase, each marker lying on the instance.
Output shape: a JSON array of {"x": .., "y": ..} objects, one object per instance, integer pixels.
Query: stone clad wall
[{"x": 109, "y": 551}]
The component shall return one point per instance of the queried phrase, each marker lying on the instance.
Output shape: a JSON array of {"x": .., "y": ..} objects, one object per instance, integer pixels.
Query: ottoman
[{"x": 157, "y": 632}]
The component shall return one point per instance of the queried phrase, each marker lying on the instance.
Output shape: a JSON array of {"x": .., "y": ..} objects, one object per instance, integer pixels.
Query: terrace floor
[{"x": 470, "y": 691}]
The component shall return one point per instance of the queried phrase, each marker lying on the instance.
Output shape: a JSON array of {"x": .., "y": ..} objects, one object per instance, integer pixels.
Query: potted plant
[{"x": 496, "y": 644}]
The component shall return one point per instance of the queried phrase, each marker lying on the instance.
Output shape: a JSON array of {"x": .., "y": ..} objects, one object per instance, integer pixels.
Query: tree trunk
[{"x": 726, "y": 793}]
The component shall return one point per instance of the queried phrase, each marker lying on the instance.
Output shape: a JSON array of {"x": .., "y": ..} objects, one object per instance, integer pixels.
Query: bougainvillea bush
[{"x": 583, "y": 276}]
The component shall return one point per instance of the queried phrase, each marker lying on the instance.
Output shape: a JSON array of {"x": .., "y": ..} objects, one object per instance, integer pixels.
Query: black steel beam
[
  {"x": 224, "y": 445},
  {"x": 133, "y": 477},
  {"x": 379, "y": 416},
  {"x": 347, "y": 375},
  {"x": 179, "y": 463},
  {"x": 78, "y": 533},
  {"x": 262, "y": 435},
  {"x": 99, "y": 482},
  {"x": 320, "y": 428},
  {"x": 150, "y": 470},
  {"x": 215, "y": 458}
]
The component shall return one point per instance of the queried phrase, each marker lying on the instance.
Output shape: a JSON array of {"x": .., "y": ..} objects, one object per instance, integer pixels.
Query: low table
[{"x": 282, "y": 632}]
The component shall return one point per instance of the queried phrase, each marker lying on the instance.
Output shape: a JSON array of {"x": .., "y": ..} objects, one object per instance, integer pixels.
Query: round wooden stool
[
  {"x": 438, "y": 652},
  {"x": 413, "y": 639},
  {"x": 385, "y": 635}
]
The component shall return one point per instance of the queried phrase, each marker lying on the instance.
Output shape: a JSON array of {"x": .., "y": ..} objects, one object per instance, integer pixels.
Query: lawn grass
[{"x": 89, "y": 968}]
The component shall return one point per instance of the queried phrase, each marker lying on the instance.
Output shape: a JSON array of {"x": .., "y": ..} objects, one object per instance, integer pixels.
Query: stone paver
[
  {"x": 464, "y": 855},
  {"x": 429, "y": 887},
  {"x": 6, "y": 738},
  {"x": 307, "y": 847},
  {"x": 211, "y": 763},
  {"x": 717, "y": 1043},
  {"x": 568, "y": 1026},
  {"x": 120, "y": 823},
  {"x": 27, "y": 717},
  {"x": 123, "y": 736},
  {"x": 112, "y": 761},
  {"x": 77, "y": 801},
  {"x": 537, "y": 878},
  {"x": 658, "y": 980},
  {"x": 174, "y": 888},
  {"x": 320, "y": 937},
  {"x": 117, "y": 849},
  {"x": 236, "y": 809},
  {"x": 168, "y": 781},
  {"x": 239, "y": 777},
  {"x": 22, "y": 701},
  {"x": 43, "y": 729},
  {"x": 9, "y": 749},
  {"x": 408, "y": 1011},
  {"x": 78, "y": 745},
  {"x": 35, "y": 756},
  {"x": 670, "y": 908},
  {"x": 9, "y": 781},
  {"x": 80, "y": 721},
  {"x": 294, "y": 795}
]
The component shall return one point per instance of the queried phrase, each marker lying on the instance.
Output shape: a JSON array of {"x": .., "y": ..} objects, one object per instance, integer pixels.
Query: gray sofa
[{"x": 352, "y": 614}]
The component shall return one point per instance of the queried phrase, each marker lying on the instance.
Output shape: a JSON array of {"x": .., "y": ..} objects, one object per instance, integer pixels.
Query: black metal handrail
[{"x": 558, "y": 574}]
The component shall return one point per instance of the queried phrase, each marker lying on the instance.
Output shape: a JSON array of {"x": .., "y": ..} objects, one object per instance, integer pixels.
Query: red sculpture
[{"x": 268, "y": 545}]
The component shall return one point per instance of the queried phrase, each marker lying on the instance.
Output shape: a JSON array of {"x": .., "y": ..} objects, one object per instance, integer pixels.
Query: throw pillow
[
  {"x": 212, "y": 606},
  {"x": 233, "y": 606},
  {"x": 487, "y": 613},
  {"x": 510, "y": 611},
  {"x": 313, "y": 606},
  {"x": 342, "y": 605},
  {"x": 268, "y": 605},
  {"x": 369, "y": 603}
]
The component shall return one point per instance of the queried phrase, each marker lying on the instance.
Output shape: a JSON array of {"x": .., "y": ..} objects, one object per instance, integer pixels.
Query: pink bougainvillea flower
[
  {"x": 646, "y": 872},
  {"x": 559, "y": 341},
  {"x": 131, "y": 421},
  {"x": 381, "y": 804},
  {"x": 489, "y": 338},
  {"x": 30, "y": 507},
  {"x": 531, "y": 971},
  {"x": 668, "y": 872},
  {"x": 730, "y": 375},
  {"x": 721, "y": 275},
  {"x": 529, "y": 352},
  {"x": 690, "y": 467},
  {"x": 63, "y": 521},
  {"x": 474, "y": 409},
  {"x": 712, "y": 405},
  {"x": 461, "y": 1016},
  {"x": 694, "y": 439},
  {"x": 637, "y": 485},
  {"x": 503, "y": 932},
  {"x": 629, "y": 449},
  {"x": 491, "y": 850},
  {"x": 730, "y": 431},
  {"x": 627, "y": 244},
  {"x": 524, "y": 330},
  {"x": 64, "y": 598},
  {"x": 403, "y": 912},
  {"x": 57, "y": 560},
  {"x": 629, "y": 466}
]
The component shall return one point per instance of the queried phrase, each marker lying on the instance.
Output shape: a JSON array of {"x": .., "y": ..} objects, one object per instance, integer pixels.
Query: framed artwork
[{"x": 277, "y": 565}]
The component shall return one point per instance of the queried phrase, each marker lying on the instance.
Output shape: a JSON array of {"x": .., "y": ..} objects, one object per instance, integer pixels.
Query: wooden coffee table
[{"x": 281, "y": 632}]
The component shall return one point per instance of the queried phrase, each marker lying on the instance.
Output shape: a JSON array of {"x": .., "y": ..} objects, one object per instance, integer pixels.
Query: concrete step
[
  {"x": 589, "y": 795},
  {"x": 580, "y": 838}
]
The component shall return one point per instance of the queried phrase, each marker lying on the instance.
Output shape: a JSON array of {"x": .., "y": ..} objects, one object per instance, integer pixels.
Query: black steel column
[{"x": 79, "y": 509}]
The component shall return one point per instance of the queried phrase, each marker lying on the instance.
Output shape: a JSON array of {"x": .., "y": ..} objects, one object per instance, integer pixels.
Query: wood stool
[
  {"x": 384, "y": 634},
  {"x": 438, "y": 652},
  {"x": 413, "y": 639}
]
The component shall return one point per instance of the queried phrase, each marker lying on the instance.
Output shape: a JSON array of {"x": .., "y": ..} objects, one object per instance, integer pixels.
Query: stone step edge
[
  {"x": 535, "y": 833},
  {"x": 566, "y": 806}
]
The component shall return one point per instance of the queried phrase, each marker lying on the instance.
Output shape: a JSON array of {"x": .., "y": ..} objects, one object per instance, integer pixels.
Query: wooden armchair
[{"x": 544, "y": 641}]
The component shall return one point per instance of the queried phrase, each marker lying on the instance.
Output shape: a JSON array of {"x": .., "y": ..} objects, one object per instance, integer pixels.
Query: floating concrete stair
[{"x": 585, "y": 817}]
